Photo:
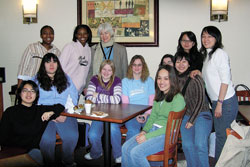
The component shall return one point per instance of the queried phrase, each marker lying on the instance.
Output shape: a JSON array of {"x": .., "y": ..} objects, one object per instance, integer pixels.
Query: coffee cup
[{"x": 87, "y": 108}]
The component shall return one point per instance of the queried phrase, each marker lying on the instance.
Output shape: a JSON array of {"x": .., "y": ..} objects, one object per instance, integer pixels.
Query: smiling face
[
  {"x": 51, "y": 67},
  {"x": 82, "y": 36},
  {"x": 28, "y": 95},
  {"x": 208, "y": 40},
  {"x": 163, "y": 81},
  {"x": 186, "y": 43},
  {"x": 137, "y": 67},
  {"x": 105, "y": 36},
  {"x": 181, "y": 65},
  {"x": 47, "y": 36},
  {"x": 106, "y": 73}
]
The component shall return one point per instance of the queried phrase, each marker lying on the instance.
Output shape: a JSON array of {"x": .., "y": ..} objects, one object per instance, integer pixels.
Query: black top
[
  {"x": 23, "y": 127},
  {"x": 196, "y": 61}
]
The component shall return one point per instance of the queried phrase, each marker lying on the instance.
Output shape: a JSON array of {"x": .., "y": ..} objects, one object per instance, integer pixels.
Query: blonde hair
[
  {"x": 112, "y": 78},
  {"x": 145, "y": 71}
]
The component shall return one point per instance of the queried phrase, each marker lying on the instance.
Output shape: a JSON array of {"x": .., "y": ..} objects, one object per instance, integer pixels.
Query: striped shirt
[
  {"x": 111, "y": 96},
  {"x": 31, "y": 60}
]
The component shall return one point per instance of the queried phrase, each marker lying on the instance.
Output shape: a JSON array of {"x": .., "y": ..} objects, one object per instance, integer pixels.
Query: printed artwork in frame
[{"x": 135, "y": 22}]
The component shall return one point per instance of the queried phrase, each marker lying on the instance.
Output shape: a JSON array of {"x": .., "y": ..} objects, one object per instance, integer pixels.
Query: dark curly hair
[{"x": 60, "y": 80}]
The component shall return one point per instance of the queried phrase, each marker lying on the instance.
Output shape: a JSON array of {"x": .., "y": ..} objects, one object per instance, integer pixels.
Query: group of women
[{"x": 103, "y": 74}]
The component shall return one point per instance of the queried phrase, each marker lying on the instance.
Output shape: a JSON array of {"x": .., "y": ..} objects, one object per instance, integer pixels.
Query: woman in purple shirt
[{"x": 104, "y": 88}]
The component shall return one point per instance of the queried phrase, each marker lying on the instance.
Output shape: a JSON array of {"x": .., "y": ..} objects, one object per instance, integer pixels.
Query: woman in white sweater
[{"x": 216, "y": 73}]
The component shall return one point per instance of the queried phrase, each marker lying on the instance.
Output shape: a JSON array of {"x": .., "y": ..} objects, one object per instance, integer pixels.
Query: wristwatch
[{"x": 220, "y": 101}]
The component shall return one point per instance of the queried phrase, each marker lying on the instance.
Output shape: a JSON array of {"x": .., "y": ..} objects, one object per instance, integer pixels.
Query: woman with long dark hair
[
  {"x": 216, "y": 73},
  {"x": 197, "y": 122},
  {"x": 152, "y": 137},
  {"x": 56, "y": 87},
  {"x": 187, "y": 42}
]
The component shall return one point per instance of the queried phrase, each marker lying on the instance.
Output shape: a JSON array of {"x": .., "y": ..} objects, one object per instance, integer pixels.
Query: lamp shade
[
  {"x": 218, "y": 10},
  {"x": 29, "y": 11}
]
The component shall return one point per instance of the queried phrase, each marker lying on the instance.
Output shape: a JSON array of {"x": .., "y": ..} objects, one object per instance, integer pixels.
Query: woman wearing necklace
[{"x": 107, "y": 49}]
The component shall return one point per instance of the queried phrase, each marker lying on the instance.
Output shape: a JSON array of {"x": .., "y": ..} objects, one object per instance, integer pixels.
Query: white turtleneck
[{"x": 216, "y": 71}]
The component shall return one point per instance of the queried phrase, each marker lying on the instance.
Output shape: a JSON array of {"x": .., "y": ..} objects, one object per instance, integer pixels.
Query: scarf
[{"x": 98, "y": 58}]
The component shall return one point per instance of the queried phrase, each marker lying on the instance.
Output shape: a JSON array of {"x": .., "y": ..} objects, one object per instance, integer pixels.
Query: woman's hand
[
  {"x": 95, "y": 94},
  {"x": 194, "y": 73},
  {"x": 60, "y": 119},
  {"x": 188, "y": 125},
  {"x": 218, "y": 110},
  {"x": 46, "y": 116},
  {"x": 141, "y": 137},
  {"x": 142, "y": 118}
]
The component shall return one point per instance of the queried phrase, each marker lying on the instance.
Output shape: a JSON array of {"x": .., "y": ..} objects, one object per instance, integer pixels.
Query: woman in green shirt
[{"x": 151, "y": 139}]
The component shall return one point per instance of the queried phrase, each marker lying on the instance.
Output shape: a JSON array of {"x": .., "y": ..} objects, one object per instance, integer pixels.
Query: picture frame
[{"x": 135, "y": 22}]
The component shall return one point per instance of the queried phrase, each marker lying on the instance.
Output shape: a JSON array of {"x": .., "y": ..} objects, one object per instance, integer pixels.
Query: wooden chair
[
  {"x": 124, "y": 131},
  {"x": 243, "y": 95},
  {"x": 58, "y": 139},
  {"x": 171, "y": 140},
  {"x": 243, "y": 98},
  {"x": 232, "y": 132}
]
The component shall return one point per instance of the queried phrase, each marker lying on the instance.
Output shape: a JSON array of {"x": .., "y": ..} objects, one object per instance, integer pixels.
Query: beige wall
[{"x": 175, "y": 16}]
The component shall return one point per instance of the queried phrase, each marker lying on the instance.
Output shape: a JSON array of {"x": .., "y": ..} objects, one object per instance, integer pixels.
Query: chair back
[
  {"x": 172, "y": 133},
  {"x": 243, "y": 95}
]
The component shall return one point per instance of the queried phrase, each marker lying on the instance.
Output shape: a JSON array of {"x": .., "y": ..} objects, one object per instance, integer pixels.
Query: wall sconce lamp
[
  {"x": 29, "y": 11},
  {"x": 218, "y": 10}
]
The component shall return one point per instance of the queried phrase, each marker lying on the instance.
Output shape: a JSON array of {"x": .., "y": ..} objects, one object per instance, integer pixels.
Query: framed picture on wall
[{"x": 135, "y": 22}]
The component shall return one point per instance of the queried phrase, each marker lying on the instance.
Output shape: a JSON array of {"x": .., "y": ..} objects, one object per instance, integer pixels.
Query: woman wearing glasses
[
  {"x": 187, "y": 42},
  {"x": 137, "y": 88},
  {"x": 108, "y": 49},
  {"x": 22, "y": 125}
]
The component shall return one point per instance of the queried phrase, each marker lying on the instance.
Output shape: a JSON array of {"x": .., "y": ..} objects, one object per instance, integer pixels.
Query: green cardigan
[{"x": 159, "y": 115}]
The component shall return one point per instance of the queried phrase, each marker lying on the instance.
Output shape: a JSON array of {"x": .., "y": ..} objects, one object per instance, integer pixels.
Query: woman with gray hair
[{"x": 107, "y": 49}]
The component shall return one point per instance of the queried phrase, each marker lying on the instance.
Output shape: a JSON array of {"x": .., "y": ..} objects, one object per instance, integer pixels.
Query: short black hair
[
  {"x": 46, "y": 26},
  {"x": 34, "y": 87},
  {"x": 89, "y": 41},
  {"x": 166, "y": 56}
]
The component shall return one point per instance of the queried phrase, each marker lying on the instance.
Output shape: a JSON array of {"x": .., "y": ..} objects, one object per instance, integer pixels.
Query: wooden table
[
  {"x": 245, "y": 112},
  {"x": 117, "y": 113},
  {"x": 18, "y": 160}
]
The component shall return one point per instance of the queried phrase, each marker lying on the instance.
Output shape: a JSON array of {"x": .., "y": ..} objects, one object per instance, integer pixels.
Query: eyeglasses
[
  {"x": 186, "y": 41},
  {"x": 136, "y": 65},
  {"x": 32, "y": 91}
]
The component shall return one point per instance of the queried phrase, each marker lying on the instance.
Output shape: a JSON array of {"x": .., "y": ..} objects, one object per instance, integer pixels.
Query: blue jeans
[
  {"x": 68, "y": 132},
  {"x": 229, "y": 113},
  {"x": 195, "y": 139},
  {"x": 95, "y": 137},
  {"x": 36, "y": 155},
  {"x": 134, "y": 127},
  {"x": 134, "y": 154}
]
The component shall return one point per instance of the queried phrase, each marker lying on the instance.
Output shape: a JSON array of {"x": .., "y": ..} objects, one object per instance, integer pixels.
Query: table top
[
  {"x": 117, "y": 113},
  {"x": 245, "y": 112}
]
